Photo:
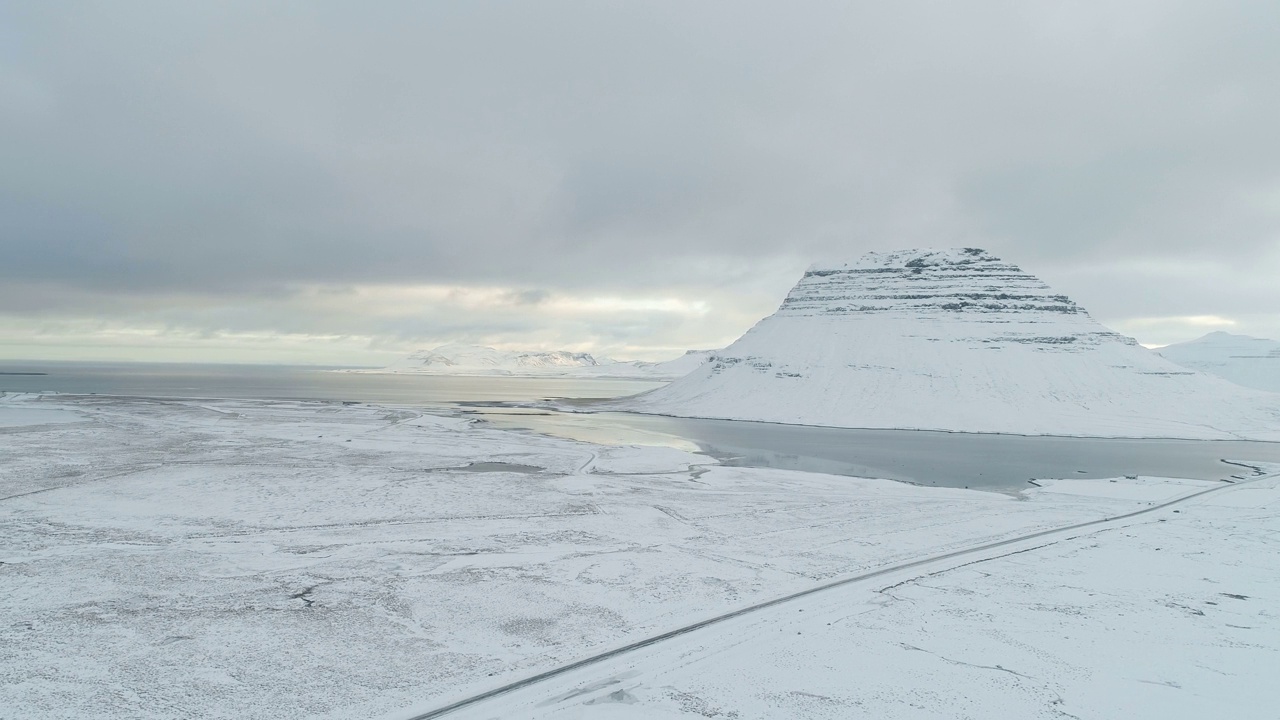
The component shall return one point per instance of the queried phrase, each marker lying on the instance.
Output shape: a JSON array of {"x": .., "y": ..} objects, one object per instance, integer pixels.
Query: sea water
[{"x": 986, "y": 461}]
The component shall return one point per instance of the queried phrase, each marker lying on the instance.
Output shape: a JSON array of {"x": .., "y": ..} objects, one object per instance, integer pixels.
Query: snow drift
[{"x": 954, "y": 340}]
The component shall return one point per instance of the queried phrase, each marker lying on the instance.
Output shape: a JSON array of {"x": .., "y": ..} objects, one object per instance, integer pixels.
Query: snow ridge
[{"x": 960, "y": 340}]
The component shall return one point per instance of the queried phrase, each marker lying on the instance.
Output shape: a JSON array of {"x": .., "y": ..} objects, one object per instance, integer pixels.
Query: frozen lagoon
[{"x": 235, "y": 558}]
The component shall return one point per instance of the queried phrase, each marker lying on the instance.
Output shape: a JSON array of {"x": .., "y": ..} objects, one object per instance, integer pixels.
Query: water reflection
[
  {"x": 923, "y": 457},
  {"x": 280, "y": 382}
]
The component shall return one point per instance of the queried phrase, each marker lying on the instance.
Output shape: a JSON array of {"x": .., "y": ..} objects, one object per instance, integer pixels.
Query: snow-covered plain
[
  {"x": 1173, "y": 616},
  {"x": 954, "y": 340},
  {"x": 15, "y": 415},
  {"x": 1244, "y": 360},
  {"x": 244, "y": 559},
  {"x": 479, "y": 360}
]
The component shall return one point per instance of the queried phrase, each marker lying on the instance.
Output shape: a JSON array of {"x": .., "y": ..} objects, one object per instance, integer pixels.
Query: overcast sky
[{"x": 344, "y": 182}]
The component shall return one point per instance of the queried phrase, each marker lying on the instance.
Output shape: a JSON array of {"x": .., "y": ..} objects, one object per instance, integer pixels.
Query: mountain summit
[{"x": 958, "y": 340}]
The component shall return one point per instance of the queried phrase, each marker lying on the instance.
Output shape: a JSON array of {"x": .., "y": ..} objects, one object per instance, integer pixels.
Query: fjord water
[
  {"x": 929, "y": 458},
  {"x": 281, "y": 382},
  {"x": 943, "y": 459}
]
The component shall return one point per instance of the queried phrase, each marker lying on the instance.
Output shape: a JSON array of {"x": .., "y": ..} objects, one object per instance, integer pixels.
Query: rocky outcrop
[
  {"x": 960, "y": 286},
  {"x": 959, "y": 340}
]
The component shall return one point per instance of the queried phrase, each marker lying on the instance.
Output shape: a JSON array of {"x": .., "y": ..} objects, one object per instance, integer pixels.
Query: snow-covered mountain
[
  {"x": 1249, "y": 361},
  {"x": 665, "y": 370},
  {"x": 460, "y": 359},
  {"x": 954, "y": 340}
]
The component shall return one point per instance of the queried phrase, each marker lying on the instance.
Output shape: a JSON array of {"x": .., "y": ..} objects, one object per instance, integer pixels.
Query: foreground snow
[
  {"x": 954, "y": 340},
  {"x": 1248, "y": 361},
  {"x": 235, "y": 559},
  {"x": 1170, "y": 617},
  {"x": 459, "y": 359}
]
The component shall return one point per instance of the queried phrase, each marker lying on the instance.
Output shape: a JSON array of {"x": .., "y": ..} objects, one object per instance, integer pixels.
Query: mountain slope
[
  {"x": 1248, "y": 361},
  {"x": 665, "y": 370},
  {"x": 954, "y": 340}
]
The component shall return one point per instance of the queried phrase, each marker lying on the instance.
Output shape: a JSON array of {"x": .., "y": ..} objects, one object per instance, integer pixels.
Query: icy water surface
[
  {"x": 278, "y": 382},
  {"x": 928, "y": 458},
  {"x": 924, "y": 457}
]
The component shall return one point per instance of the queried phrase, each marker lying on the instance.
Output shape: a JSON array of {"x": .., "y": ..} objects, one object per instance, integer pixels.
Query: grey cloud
[
  {"x": 237, "y": 149},
  {"x": 527, "y": 297}
]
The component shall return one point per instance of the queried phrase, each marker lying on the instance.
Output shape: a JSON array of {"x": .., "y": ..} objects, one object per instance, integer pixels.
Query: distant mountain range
[
  {"x": 1248, "y": 361},
  {"x": 955, "y": 340},
  {"x": 460, "y": 359}
]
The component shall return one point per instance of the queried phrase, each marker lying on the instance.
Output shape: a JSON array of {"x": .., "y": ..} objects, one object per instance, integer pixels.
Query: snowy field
[{"x": 244, "y": 559}]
